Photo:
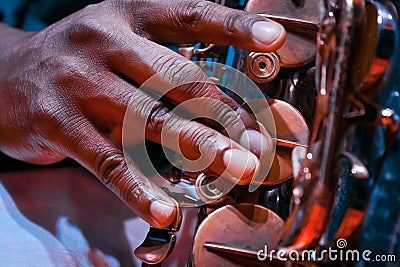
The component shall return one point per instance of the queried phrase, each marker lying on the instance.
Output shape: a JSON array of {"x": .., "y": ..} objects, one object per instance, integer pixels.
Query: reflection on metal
[
  {"x": 330, "y": 76},
  {"x": 358, "y": 169},
  {"x": 300, "y": 19},
  {"x": 212, "y": 190},
  {"x": 262, "y": 67},
  {"x": 348, "y": 65},
  {"x": 237, "y": 228},
  {"x": 314, "y": 191},
  {"x": 291, "y": 131},
  {"x": 190, "y": 51},
  {"x": 159, "y": 243}
]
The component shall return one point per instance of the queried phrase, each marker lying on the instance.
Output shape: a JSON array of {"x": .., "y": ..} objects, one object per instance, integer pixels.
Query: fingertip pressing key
[
  {"x": 162, "y": 212},
  {"x": 255, "y": 141},
  {"x": 242, "y": 165},
  {"x": 267, "y": 32}
]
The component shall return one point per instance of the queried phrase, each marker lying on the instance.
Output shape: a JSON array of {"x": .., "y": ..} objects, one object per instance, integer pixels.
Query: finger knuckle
[
  {"x": 177, "y": 70},
  {"x": 229, "y": 121},
  {"x": 120, "y": 5},
  {"x": 195, "y": 12},
  {"x": 157, "y": 117},
  {"x": 221, "y": 109},
  {"x": 89, "y": 30},
  {"x": 68, "y": 74},
  {"x": 225, "y": 115},
  {"x": 133, "y": 9},
  {"x": 113, "y": 171},
  {"x": 231, "y": 21},
  {"x": 110, "y": 167},
  {"x": 132, "y": 192},
  {"x": 71, "y": 74},
  {"x": 196, "y": 89},
  {"x": 202, "y": 139}
]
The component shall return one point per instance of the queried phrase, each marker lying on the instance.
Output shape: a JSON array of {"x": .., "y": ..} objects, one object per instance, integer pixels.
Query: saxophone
[{"x": 332, "y": 91}]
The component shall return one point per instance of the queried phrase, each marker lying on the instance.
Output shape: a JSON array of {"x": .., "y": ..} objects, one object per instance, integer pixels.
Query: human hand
[{"x": 65, "y": 91}]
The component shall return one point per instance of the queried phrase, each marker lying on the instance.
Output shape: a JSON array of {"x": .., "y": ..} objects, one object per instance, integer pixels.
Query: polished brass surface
[
  {"x": 301, "y": 23},
  {"x": 340, "y": 51},
  {"x": 242, "y": 227},
  {"x": 212, "y": 190},
  {"x": 262, "y": 67},
  {"x": 291, "y": 131},
  {"x": 315, "y": 185},
  {"x": 159, "y": 243}
]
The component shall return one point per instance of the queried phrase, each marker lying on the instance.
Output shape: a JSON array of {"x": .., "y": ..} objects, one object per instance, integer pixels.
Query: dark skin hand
[{"x": 64, "y": 91}]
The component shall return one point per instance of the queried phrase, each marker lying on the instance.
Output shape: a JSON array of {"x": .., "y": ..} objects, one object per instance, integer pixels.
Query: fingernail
[
  {"x": 240, "y": 164},
  {"x": 254, "y": 141},
  {"x": 161, "y": 211},
  {"x": 266, "y": 31}
]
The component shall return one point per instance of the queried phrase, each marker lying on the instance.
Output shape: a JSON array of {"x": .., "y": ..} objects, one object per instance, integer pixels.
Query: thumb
[{"x": 203, "y": 21}]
